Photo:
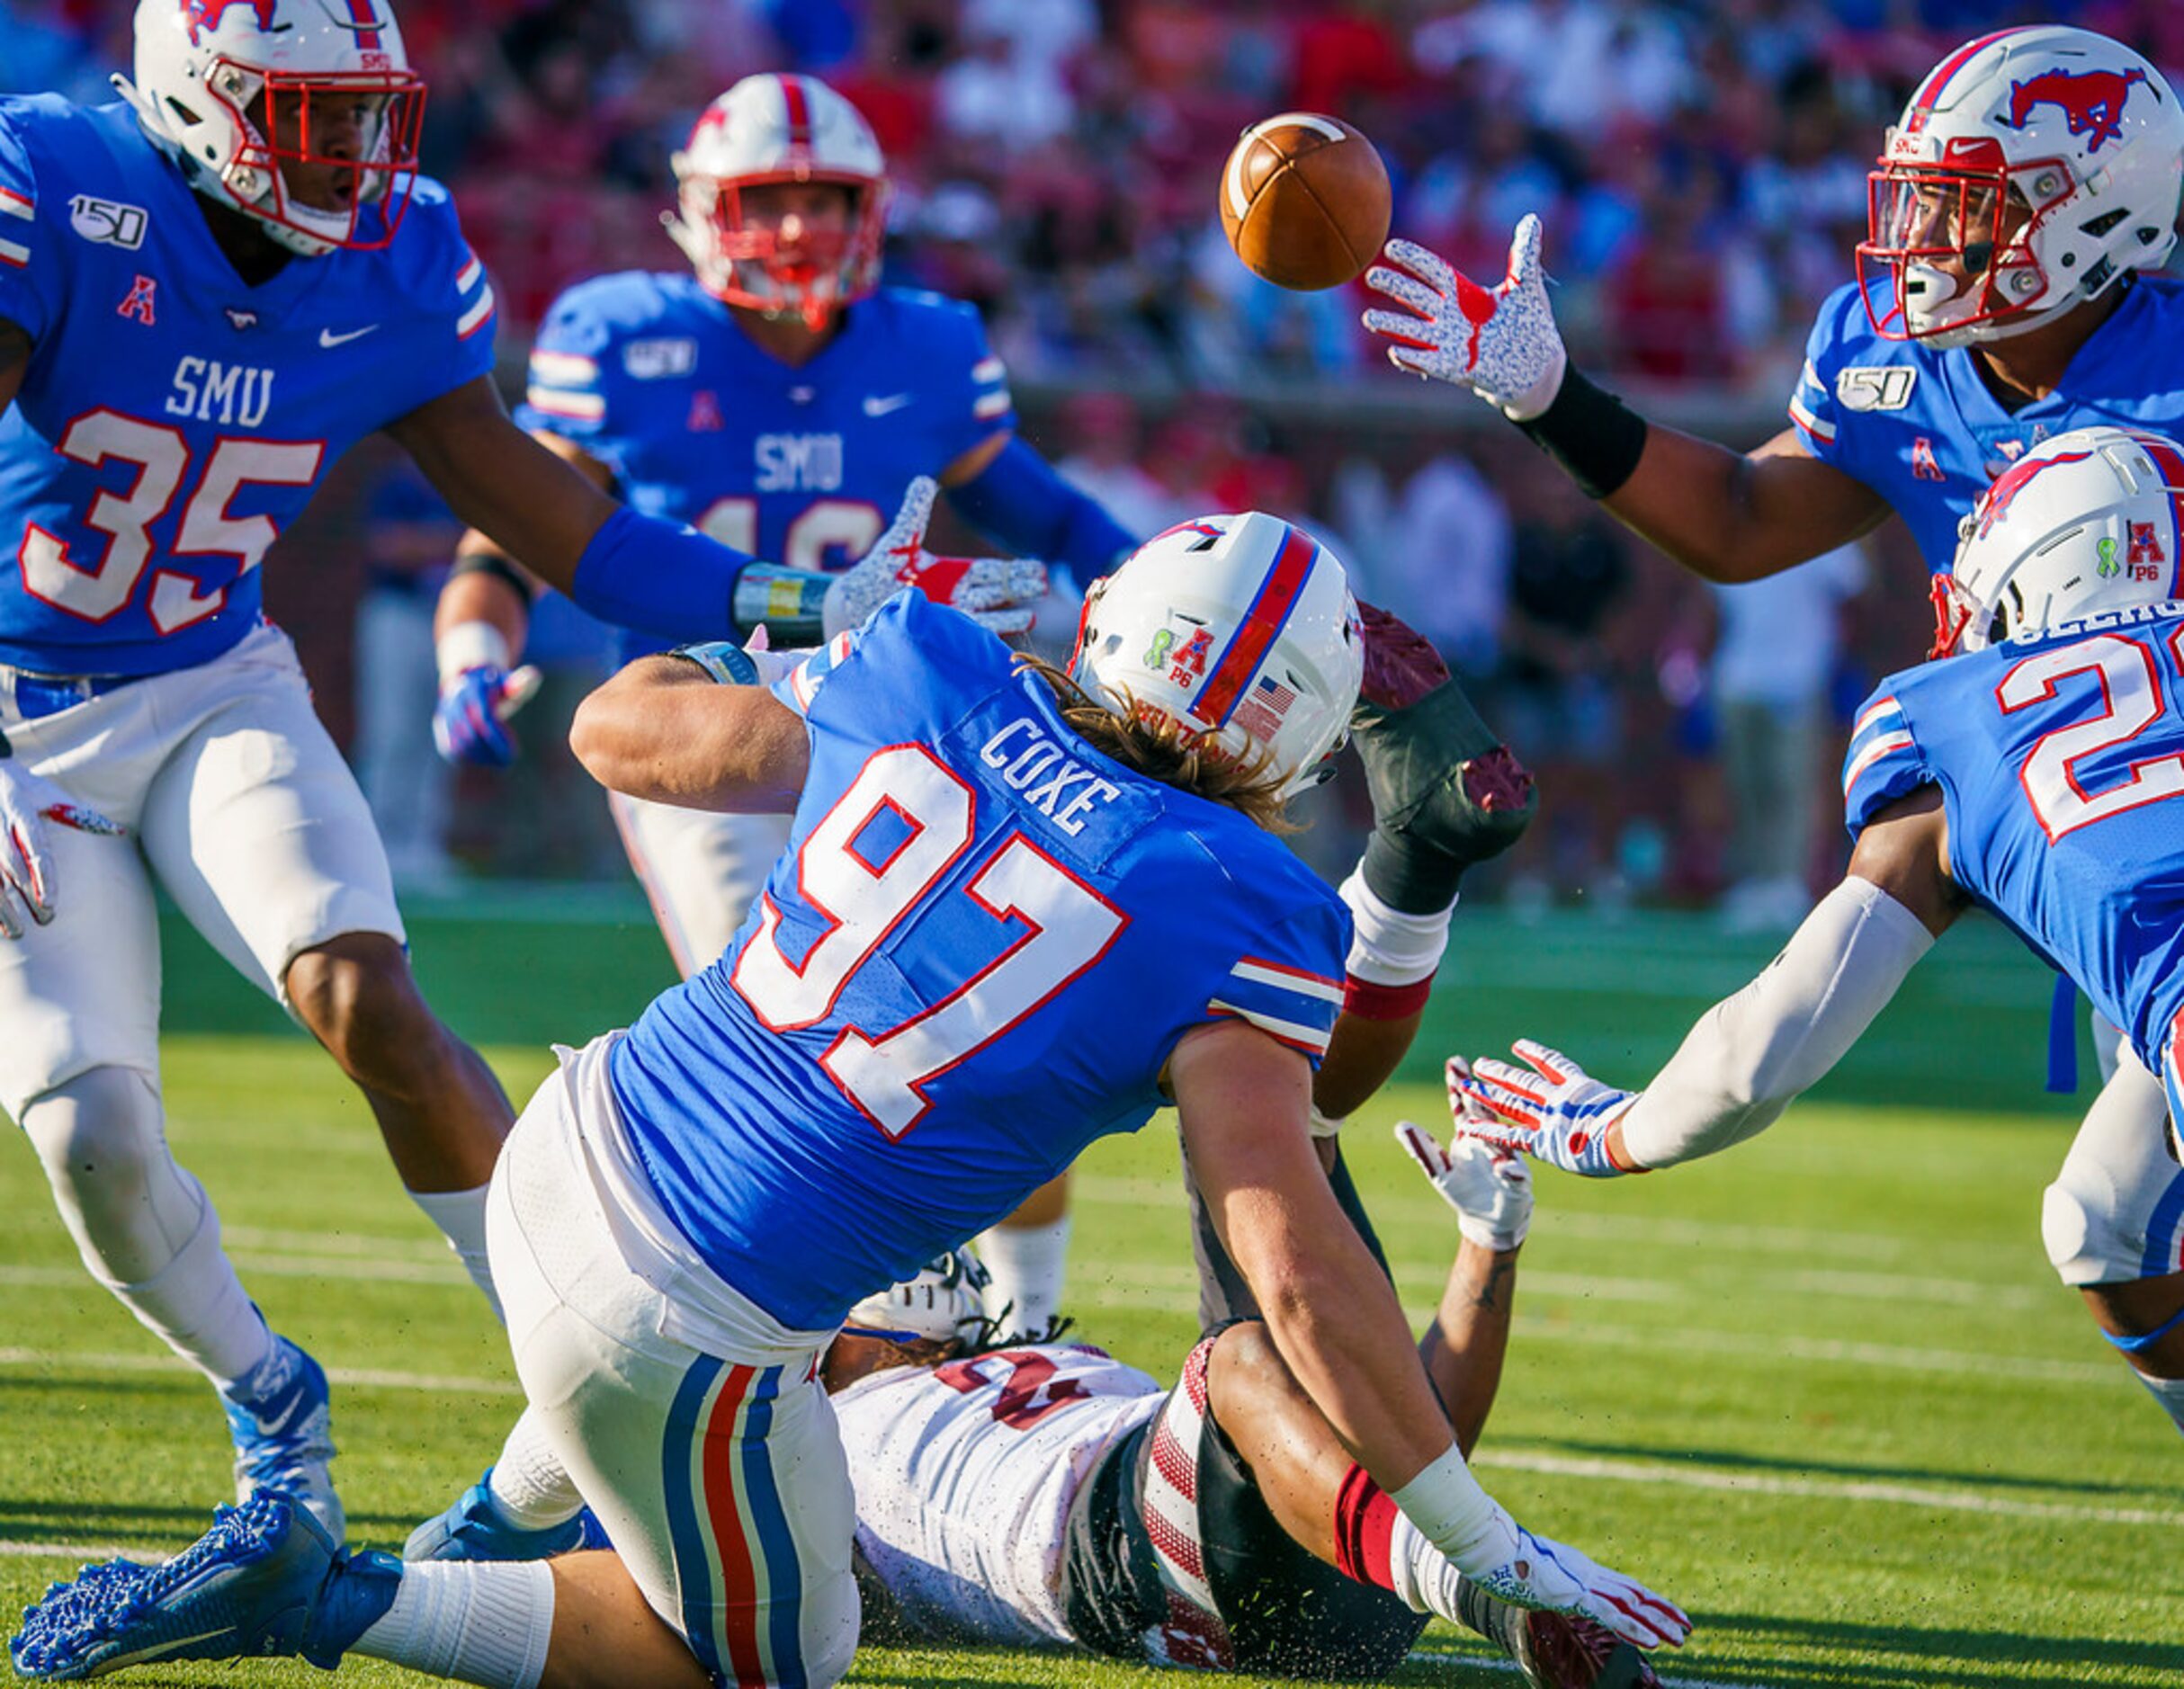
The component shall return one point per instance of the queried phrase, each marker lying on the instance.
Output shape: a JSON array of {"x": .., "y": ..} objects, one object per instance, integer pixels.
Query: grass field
[{"x": 1825, "y": 1391}]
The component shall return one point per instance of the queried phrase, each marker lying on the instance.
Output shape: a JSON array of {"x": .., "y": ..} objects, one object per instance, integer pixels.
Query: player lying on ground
[
  {"x": 2020, "y": 209},
  {"x": 209, "y": 291},
  {"x": 1034, "y": 1495},
  {"x": 2039, "y": 775},
  {"x": 776, "y": 396},
  {"x": 1020, "y": 910}
]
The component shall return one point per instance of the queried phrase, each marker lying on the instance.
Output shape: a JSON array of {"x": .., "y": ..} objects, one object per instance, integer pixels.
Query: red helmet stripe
[
  {"x": 2169, "y": 461},
  {"x": 1271, "y": 607},
  {"x": 800, "y": 113},
  {"x": 1922, "y": 102},
  {"x": 365, "y": 12}
]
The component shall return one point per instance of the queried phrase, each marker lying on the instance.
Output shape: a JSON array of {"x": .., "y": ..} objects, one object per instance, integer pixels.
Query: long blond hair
[{"x": 1162, "y": 750}]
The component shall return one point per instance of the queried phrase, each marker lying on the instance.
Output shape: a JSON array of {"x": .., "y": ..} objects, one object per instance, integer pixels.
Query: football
[{"x": 1304, "y": 201}]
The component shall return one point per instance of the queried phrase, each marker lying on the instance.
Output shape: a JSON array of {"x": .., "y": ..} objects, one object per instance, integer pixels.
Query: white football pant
[
  {"x": 692, "y": 1421},
  {"x": 702, "y": 872}
]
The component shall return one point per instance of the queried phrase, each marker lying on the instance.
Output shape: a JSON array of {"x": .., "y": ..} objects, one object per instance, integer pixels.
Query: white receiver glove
[
  {"x": 28, "y": 803},
  {"x": 995, "y": 593},
  {"x": 1502, "y": 343},
  {"x": 1487, "y": 1183},
  {"x": 1549, "y": 1108}
]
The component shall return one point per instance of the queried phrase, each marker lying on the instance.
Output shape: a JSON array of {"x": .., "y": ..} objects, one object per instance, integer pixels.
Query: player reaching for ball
[
  {"x": 777, "y": 397},
  {"x": 1024, "y": 908},
  {"x": 2006, "y": 294},
  {"x": 2037, "y": 773}
]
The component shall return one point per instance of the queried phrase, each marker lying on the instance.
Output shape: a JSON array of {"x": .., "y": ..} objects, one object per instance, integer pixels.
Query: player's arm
[
  {"x": 1009, "y": 493},
  {"x": 698, "y": 730},
  {"x": 1335, "y": 1320},
  {"x": 1729, "y": 516},
  {"x": 479, "y": 629},
  {"x": 1756, "y": 1052},
  {"x": 1447, "y": 794}
]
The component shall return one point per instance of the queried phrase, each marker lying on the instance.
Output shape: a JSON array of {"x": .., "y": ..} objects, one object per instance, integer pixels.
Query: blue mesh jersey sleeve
[
  {"x": 33, "y": 252},
  {"x": 1812, "y": 405},
  {"x": 967, "y": 383},
  {"x": 1883, "y": 761},
  {"x": 575, "y": 386},
  {"x": 443, "y": 283},
  {"x": 1291, "y": 986}
]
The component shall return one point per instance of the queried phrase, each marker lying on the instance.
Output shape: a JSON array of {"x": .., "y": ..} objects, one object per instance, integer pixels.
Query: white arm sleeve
[{"x": 1754, "y": 1052}]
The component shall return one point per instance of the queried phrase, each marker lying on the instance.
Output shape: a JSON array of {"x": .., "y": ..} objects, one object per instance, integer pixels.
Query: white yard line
[
  {"x": 1923, "y": 1496},
  {"x": 355, "y": 1376},
  {"x": 68, "y": 1552}
]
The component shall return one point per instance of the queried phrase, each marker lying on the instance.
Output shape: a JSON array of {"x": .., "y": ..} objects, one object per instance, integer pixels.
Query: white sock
[
  {"x": 2168, "y": 1391},
  {"x": 529, "y": 1484},
  {"x": 198, "y": 1305},
  {"x": 460, "y": 1216},
  {"x": 1425, "y": 1578},
  {"x": 1027, "y": 1265},
  {"x": 481, "y": 1622}
]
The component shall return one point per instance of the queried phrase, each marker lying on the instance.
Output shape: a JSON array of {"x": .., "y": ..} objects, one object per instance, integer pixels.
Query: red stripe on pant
[{"x": 739, "y": 1572}]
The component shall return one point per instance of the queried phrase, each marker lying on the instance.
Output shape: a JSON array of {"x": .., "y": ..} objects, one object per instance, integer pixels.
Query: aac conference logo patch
[{"x": 107, "y": 222}]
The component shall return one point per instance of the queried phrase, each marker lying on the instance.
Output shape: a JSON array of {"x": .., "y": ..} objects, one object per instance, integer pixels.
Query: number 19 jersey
[
  {"x": 975, "y": 957},
  {"x": 2060, "y": 758}
]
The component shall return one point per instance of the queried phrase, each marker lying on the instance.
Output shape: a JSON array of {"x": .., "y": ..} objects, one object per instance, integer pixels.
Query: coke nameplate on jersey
[
  {"x": 233, "y": 395},
  {"x": 798, "y": 463},
  {"x": 1052, "y": 781}
]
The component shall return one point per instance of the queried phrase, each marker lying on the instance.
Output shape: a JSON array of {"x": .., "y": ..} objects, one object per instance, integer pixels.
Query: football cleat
[
  {"x": 264, "y": 1581},
  {"x": 1555, "y": 1650},
  {"x": 281, "y": 1422},
  {"x": 476, "y": 1529}
]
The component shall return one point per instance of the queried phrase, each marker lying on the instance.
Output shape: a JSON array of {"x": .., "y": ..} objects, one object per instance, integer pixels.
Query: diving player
[
  {"x": 1020, "y": 909},
  {"x": 780, "y": 399},
  {"x": 2039, "y": 775},
  {"x": 208, "y": 291},
  {"x": 1032, "y": 1495},
  {"x": 2019, "y": 210}
]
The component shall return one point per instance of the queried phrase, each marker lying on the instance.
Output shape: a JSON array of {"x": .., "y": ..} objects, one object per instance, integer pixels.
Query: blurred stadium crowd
[{"x": 1701, "y": 168}]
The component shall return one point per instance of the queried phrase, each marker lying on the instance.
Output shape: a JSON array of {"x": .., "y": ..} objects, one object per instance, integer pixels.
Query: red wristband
[{"x": 1370, "y": 1002}]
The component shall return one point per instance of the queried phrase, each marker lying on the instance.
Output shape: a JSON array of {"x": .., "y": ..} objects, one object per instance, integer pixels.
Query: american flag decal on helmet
[{"x": 1261, "y": 711}]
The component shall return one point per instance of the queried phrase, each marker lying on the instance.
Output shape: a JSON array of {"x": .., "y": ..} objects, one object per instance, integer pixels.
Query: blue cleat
[
  {"x": 476, "y": 1529},
  {"x": 281, "y": 1423},
  {"x": 264, "y": 1581}
]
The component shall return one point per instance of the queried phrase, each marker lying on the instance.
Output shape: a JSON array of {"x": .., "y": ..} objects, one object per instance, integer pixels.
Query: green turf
[{"x": 1825, "y": 1391}]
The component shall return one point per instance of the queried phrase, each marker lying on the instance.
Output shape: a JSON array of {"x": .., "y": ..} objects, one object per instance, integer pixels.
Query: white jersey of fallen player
[{"x": 964, "y": 1474}]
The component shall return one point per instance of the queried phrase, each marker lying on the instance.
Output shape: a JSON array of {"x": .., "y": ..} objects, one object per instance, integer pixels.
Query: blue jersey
[
  {"x": 1925, "y": 432},
  {"x": 978, "y": 952},
  {"x": 172, "y": 420},
  {"x": 2060, "y": 759},
  {"x": 802, "y": 465}
]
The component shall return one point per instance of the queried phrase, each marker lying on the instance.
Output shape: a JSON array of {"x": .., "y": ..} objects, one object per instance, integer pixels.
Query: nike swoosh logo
[
  {"x": 876, "y": 407},
  {"x": 329, "y": 339}
]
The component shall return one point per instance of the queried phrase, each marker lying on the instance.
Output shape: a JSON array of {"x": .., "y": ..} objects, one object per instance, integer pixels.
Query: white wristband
[
  {"x": 1449, "y": 1508},
  {"x": 1388, "y": 947},
  {"x": 469, "y": 645}
]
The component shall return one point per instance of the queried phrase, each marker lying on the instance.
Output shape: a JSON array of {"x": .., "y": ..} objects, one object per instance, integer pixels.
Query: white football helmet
[
  {"x": 2088, "y": 521},
  {"x": 945, "y": 1300},
  {"x": 773, "y": 128},
  {"x": 2031, "y": 168},
  {"x": 221, "y": 84},
  {"x": 1239, "y": 630}
]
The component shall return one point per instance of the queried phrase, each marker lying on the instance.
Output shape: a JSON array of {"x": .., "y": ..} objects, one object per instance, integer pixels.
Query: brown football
[{"x": 1304, "y": 201}]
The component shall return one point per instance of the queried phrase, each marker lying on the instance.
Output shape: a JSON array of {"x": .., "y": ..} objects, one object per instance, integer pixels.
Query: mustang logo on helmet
[
  {"x": 1996, "y": 504},
  {"x": 2092, "y": 100},
  {"x": 206, "y": 15}
]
